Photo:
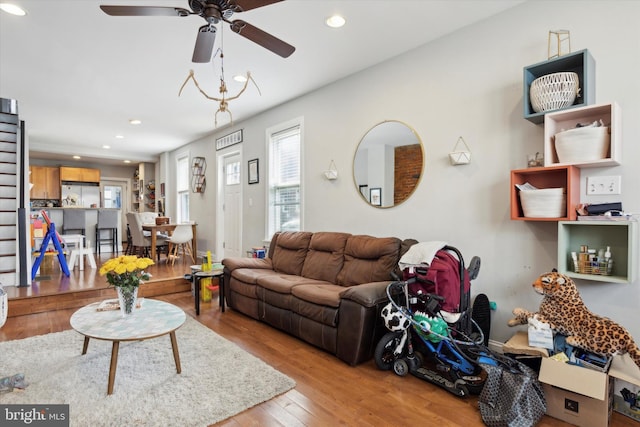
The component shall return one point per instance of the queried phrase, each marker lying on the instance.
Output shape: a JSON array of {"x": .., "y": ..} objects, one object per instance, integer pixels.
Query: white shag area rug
[{"x": 218, "y": 378}]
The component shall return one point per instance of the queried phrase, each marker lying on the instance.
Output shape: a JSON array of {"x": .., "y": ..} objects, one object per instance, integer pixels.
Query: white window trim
[
  {"x": 179, "y": 156},
  {"x": 298, "y": 121}
]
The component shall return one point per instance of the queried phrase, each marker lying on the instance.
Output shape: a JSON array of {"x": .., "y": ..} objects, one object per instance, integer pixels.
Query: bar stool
[
  {"x": 73, "y": 220},
  {"x": 108, "y": 223}
]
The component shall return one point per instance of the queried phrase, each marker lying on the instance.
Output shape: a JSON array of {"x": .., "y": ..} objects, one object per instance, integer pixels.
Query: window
[
  {"x": 182, "y": 189},
  {"x": 284, "y": 164}
]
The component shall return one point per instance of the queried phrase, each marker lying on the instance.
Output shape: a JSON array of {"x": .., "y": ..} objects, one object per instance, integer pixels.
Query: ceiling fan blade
[
  {"x": 204, "y": 44},
  {"x": 244, "y": 5},
  {"x": 144, "y": 11},
  {"x": 262, "y": 38}
]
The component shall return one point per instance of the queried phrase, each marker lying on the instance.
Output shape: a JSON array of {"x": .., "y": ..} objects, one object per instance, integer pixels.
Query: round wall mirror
[{"x": 388, "y": 164}]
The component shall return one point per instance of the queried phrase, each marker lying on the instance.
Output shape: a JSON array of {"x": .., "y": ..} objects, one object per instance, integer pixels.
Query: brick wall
[{"x": 408, "y": 166}]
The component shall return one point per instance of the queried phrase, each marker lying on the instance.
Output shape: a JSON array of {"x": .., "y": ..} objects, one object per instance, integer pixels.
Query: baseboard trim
[{"x": 496, "y": 346}]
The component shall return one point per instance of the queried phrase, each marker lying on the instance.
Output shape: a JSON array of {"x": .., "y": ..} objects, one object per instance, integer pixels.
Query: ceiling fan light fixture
[
  {"x": 335, "y": 21},
  {"x": 13, "y": 9}
]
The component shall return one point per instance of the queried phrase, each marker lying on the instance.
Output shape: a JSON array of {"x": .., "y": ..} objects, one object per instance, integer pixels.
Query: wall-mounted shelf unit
[
  {"x": 620, "y": 236},
  {"x": 567, "y": 177},
  {"x": 581, "y": 63},
  {"x": 198, "y": 179},
  {"x": 610, "y": 115}
]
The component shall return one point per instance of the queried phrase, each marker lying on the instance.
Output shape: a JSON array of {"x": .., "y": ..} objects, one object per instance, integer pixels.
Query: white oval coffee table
[{"x": 153, "y": 319}]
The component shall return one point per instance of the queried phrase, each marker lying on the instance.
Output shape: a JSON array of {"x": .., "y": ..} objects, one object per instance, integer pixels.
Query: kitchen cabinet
[
  {"x": 46, "y": 182},
  {"x": 79, "y": 174}
]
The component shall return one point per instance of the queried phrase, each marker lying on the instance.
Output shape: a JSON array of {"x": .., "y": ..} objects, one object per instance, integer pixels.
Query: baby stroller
[{"x": 428, "y": 342}]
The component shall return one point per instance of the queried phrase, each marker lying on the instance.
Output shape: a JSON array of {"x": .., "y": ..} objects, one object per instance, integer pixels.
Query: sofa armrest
[
  {"x": 367, "y": 294},
  {"x": 240, "y": 262},
  {"x": 360, "y": 326}
]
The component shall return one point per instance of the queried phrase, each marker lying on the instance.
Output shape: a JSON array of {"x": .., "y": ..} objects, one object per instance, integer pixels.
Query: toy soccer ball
[{"x": 394, "y": 319}]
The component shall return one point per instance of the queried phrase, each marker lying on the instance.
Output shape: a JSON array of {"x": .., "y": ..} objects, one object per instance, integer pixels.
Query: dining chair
[
  {"x": 141, "y": 242},
  {"x": 180, "y": 239}
]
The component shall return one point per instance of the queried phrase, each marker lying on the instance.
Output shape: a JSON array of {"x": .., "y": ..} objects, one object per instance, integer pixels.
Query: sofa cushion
[
  {"x": 368, "y": 259},
  {"x": 283, "y": 283},
  {"x": 251, "y": 275},
  {"x": 325, "y": 256},
  {"x": 290, "y": 251},
  {"x": 320, "y": 294}
]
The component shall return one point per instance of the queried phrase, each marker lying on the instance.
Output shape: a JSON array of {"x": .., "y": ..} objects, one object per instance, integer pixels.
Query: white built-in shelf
[{"x": 610, "y": 115}]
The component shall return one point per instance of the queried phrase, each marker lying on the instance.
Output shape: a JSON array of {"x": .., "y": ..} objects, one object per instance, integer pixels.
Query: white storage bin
[
  {"x": 544, "y": 203},
  {"x": 583, "y": 144}
]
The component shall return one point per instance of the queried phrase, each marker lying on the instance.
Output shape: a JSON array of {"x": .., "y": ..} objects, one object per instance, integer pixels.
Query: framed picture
[
  {"x": 254, "y": 176},
  {"x": 364, "y": 189},
  {"x": 375, "y": 196}
]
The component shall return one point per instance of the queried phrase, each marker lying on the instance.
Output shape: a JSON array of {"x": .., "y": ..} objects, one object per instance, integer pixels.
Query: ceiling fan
[{"x": 213, "y": 11}]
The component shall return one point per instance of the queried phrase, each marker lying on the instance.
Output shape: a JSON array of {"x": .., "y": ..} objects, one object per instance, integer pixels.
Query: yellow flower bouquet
[{"x": 126, "y": 271}]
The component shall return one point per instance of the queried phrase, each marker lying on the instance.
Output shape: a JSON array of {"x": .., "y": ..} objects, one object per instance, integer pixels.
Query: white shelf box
[
  {"x": 610, "y": 115},
  {"x": 620, "y": 236}
]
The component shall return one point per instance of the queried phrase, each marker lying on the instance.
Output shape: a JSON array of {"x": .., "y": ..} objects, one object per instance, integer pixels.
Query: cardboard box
[
  {"x": 626, "y": 398},
  {"x": 577, "y": 395},
  {"x": 626, "y": 388}
]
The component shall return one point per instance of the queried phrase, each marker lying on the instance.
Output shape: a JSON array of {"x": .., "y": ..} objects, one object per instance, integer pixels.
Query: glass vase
[{"x": 127, "y": 299}]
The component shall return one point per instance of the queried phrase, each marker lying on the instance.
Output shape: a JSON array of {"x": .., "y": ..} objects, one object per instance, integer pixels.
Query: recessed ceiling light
[
  {"x": 240, "y": 78},
  {"x": 12, "y": 9},
  {"x": 135, "y": 121},
  {"x": 127, "y": 161},
  {"x": 77, "y": 157},
  {"x": 335, "y": 21},
  {"x": 106, "y": 147},
  {"x": 119, "y": 136}
]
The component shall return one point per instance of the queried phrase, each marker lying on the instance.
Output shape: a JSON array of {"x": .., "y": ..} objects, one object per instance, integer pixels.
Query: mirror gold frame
[{"x": 378, "y": 177}]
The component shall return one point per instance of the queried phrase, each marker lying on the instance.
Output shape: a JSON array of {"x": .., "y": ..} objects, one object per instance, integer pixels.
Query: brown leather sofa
[{"x": 326, "y": 288}]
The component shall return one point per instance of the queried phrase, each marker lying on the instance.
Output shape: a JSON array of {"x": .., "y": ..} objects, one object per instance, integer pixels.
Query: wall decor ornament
[
  {"x": 331, "y": 173},
  {"x": 460, "y": 155},
  {"x": 561, "y": 41},
  {"x": 198, "y": 180}
]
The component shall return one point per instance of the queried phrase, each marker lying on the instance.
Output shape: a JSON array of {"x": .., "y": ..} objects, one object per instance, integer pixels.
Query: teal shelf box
[{"x": 580, "y": 62}]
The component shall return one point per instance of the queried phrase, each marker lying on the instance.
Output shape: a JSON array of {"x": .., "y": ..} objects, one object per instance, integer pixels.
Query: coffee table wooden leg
[
  {"x": 85, "y": 345},
  {"x": 176, "y": 355},
  {"x": 114, "y": 364}
]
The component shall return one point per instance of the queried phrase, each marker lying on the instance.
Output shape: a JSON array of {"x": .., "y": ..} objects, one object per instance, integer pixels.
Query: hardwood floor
[{"x": 328, "y": 391}]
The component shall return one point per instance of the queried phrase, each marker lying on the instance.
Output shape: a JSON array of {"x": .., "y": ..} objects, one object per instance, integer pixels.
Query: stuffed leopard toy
[{"x": 563, "y": 309}]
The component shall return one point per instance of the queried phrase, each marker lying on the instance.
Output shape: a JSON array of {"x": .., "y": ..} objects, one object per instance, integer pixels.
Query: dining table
[{"x": 154, "y": 229}]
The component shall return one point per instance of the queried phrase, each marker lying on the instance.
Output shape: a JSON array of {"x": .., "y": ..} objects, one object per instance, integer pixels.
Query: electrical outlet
[{"x": 604, "y": 185}]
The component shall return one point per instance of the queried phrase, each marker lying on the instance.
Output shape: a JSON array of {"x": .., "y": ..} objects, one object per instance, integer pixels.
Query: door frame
[
  {"x": 126, "y": 206},
  {"x": 220, "y": 211}
]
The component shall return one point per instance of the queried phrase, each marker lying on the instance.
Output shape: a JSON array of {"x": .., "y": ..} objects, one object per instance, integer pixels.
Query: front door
[{"x": 229, "y": 230}]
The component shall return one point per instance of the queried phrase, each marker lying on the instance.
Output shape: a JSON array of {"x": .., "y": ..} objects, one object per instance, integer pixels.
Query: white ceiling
[{"x": 79, "y": 75}]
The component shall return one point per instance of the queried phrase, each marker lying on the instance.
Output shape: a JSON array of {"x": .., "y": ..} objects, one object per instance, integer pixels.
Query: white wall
[{"x": 467, "y": 84}]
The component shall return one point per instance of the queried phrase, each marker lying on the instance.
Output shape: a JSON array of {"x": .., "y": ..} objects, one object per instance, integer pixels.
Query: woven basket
[
  {"x": 544, "y": 203},
  {"x": 554, "y": 91}
]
